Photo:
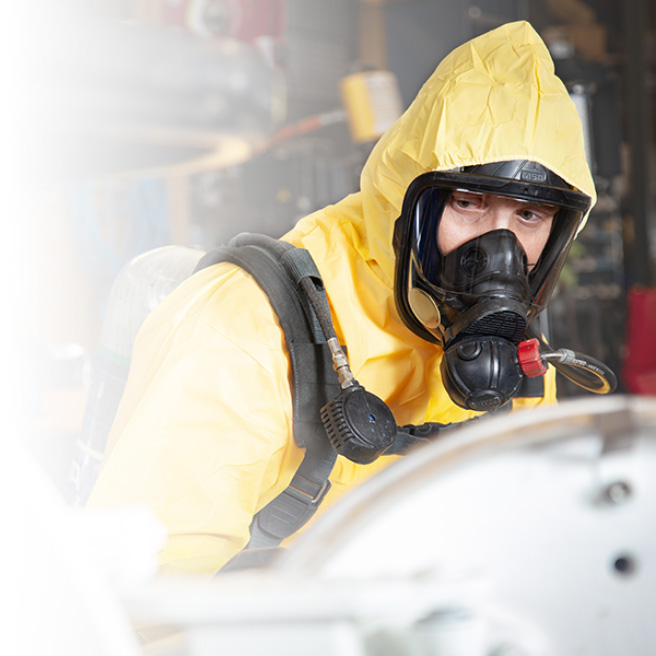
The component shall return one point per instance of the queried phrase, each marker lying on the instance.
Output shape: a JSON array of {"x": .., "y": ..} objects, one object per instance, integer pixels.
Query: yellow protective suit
[{"x": 204, "y": 432}]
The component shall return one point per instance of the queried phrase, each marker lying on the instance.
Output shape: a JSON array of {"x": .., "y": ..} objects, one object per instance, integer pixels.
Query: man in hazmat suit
[{"x": 467, "y": 209}]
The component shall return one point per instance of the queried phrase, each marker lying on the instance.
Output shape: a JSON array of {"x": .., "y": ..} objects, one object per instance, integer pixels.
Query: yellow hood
[{"x": 494, "y": 98}]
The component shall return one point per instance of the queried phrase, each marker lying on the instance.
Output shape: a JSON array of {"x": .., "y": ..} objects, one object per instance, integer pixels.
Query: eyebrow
[{"x": 544, "y": 206}]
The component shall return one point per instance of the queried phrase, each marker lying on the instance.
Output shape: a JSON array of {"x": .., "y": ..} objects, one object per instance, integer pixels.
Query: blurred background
[{"x": 131, "y": 125}]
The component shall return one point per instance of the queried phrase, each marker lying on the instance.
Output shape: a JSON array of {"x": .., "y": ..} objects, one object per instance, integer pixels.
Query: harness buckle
[{"x": 302, "y": 488}]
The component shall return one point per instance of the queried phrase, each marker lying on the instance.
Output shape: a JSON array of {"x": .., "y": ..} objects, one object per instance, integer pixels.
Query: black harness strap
[{"x": 314, "y": 382}]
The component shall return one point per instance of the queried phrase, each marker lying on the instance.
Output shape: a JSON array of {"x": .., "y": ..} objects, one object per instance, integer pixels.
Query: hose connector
[{"x": 340, "y": 364}]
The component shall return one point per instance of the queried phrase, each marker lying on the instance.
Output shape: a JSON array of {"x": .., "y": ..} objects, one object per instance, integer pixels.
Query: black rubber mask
[{"x": 489, "y": 278}]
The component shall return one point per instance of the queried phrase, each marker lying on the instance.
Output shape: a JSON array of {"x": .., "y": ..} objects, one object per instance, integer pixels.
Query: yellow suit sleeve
[{"x": 204, "y": 432}]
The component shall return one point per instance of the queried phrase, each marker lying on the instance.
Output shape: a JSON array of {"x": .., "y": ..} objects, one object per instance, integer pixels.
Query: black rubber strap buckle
[{"x": 288, "y": 511}]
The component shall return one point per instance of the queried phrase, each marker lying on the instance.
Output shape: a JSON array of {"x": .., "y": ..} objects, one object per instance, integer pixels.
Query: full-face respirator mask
[{"x": 478, "y": 300}]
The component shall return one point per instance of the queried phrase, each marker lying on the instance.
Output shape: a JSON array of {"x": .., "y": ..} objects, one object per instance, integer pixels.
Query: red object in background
[
  {"x": 260, "y": 18},
  {"x": 639, "y": 367}
]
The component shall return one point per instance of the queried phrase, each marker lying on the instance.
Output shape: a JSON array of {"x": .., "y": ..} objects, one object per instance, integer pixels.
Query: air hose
[
  {"x": 303, "y": 270},
  {"x": 583, "y": 370},
  {"x": 358, "y": 424}
]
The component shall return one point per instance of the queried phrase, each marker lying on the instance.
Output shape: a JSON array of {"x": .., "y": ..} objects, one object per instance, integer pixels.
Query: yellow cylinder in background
[{"x": 372, "y": 101}]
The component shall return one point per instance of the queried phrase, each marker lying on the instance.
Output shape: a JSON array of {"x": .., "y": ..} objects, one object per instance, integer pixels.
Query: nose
[{"x": 499, "y": 217}]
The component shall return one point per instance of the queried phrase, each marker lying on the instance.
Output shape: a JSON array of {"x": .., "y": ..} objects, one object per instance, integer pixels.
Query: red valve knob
[{"x": 528, "y": 353}]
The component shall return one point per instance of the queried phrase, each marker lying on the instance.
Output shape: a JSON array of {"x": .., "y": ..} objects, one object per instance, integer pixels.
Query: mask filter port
[{"x": 481, "y": 373}]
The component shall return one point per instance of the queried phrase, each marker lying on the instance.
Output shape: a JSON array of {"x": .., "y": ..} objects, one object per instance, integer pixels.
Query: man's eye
[
  {"x": 532, "y": 213},
  {"x": 466, "y": 202},
  {"x": 535, "y": 216},
  {"x": 529, "y": 215}
]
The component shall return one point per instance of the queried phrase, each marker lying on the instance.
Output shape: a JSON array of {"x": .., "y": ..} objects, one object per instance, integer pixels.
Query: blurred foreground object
[
  {"x": 65, "y": 568},
  {"x": 527, "y": 534},
  {"x": 126, "y": 97}
]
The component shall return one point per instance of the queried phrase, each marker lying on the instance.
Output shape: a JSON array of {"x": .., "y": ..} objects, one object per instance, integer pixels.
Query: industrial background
[{"x": 154, "y": 122}]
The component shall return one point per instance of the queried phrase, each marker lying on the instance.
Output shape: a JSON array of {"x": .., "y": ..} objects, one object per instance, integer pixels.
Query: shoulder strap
[{"x": 278, "y": 268}]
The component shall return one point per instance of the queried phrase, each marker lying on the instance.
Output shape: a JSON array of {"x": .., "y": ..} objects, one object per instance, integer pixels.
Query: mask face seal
[{"x": 478, "y": 300}]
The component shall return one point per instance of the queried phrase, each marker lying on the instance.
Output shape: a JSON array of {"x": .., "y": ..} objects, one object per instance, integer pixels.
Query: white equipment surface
[{"x": 528, "y": 534}]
